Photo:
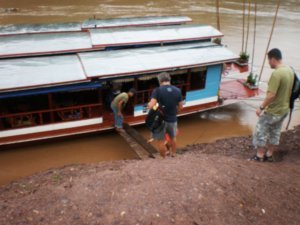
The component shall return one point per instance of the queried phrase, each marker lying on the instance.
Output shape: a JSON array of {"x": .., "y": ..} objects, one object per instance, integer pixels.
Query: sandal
[
  {"x": 275, "y": 157},
  {"x": 270, "y": 159},
  {"x": 258, "y": 159}
]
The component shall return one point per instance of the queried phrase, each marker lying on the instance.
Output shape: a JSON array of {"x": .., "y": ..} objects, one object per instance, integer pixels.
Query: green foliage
[
  {"x": 251, "y": 79},
  {"x": 217, "y": 41},
  {"x": 57, "y": 177},
  {"x": 244, "y": 57}
]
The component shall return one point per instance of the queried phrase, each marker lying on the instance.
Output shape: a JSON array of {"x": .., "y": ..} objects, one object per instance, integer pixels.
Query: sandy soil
[{"x": 206, "y": 184}]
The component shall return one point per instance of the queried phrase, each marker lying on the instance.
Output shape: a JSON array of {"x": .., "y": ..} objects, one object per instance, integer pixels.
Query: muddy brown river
[{"x": 234, "y": 120}]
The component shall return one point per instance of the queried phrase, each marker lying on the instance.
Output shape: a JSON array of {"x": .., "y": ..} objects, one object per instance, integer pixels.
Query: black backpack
[
  {"x": 294, "y": 95},
  {"x": 155, "y": 118}
]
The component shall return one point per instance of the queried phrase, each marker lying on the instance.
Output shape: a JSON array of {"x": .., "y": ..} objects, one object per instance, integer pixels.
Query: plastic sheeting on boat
[
  {"x": 37, "y": 72},
  {"x": 103, "y": 64},
  {"x": 140, "y": 61},
  {"x": 161, "y": 34},
  {"x": 40, "y": 71},
  {"x": 135, "y": 21},
  {"x": 45, "y": 44},
  {"x": 30, "y": 44},
  {"x": 12, "y": 29}
]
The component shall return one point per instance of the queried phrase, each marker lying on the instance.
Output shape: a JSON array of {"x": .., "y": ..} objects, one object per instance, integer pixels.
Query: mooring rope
[
  {"x": 254, "y": 34},
  {"x": 243, "y": 35},
  {"x": 218, "y": 14},
  {"x": 248, "y": 25},
  {"x": 269, "y": 42}
]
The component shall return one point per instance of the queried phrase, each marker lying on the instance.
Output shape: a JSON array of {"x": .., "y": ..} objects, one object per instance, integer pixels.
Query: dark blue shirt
[{"x": 168, "y": 97}]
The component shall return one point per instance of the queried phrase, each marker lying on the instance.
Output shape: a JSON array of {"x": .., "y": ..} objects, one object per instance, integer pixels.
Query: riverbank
[{"x": 206, "y": 184}]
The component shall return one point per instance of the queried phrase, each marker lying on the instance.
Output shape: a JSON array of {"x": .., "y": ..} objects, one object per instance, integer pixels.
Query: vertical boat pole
[
  {"x": 243, "y": 35},
  {"x": 254, "y": 34},
  {"x": 248, "y": 26},
  {"x": 271, "y": 35},
  {"x": 218, "y": 14}
]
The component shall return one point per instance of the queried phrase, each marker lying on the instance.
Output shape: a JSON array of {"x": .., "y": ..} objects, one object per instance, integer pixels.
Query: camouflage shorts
[
  {"x": 167, "y": 128},
  {"x": 268, "y": 129}
]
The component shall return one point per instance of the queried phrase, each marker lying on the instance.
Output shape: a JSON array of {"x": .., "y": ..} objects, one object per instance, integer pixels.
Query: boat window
[
  {"x": 76, "y": 105},
  {"x": 198, "y": 78},
  {"x": 36, "y": 110},
  {"x": 21, "y": 106},
  {"x": 25, "y": 103},
  {"x": 145, "y": 86},
  {"x": 179, "y": 79},
  {"x": 126, "y": 84},
  {"x": 75, "y": 98}
]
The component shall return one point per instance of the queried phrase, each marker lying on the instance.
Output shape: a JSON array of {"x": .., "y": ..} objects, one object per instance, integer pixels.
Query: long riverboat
[
  {"x": 102, "y": 39},
  {"x": 53, "y": 96}
]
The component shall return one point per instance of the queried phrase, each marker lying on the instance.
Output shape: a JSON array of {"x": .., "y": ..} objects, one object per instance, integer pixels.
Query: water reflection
[
  {"x": 210, "y": 125},
  {"x": 24, "y": 161}
]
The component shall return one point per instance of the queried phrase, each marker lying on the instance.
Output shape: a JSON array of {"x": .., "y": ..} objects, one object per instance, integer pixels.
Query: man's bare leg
[
  {"x": 260, "y": 152},
  {"x": 273, "y": 153},
  {"x": 168, "y": 147},
  {"x": 162, "y": 149},
  {"x": 173, "y": 146},
  {"x": 271, "y": 149},
  {"x": 259, "y": 156}
]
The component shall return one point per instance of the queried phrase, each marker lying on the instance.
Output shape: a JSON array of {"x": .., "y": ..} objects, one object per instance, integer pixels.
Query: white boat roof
[
  {"x": 54, "y": 43},
  {"x": 39, "y": 44},
  {"x": 130, "y": 62},
  {"x": 141, "y": 35},
  {"x": 34, "y": 72},
  {"x": 135, "y": 21},
  {"x": 26, "y": 73},
  {"x": 12, "y": 29}
]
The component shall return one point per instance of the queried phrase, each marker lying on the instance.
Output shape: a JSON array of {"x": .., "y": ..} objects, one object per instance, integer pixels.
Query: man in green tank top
[
  {"x": 117, "y": 106},
  {"x": 274, "y": 109}
]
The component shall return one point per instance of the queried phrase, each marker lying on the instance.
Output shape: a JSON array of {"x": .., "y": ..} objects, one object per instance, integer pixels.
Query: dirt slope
[{"x": 208, "y": 184}]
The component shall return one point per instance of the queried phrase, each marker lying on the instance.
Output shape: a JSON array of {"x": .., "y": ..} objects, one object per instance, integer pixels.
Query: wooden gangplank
[{"x": 137, "y": 142}]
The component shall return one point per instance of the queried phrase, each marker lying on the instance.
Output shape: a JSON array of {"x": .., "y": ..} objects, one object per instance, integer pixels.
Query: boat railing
[{"x": 49, "y": 116}]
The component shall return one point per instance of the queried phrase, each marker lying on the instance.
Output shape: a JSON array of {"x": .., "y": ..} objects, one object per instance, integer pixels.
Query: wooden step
[{"x": 137, "y": 142}]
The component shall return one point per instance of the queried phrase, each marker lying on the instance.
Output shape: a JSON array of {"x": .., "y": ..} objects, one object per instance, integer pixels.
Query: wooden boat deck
[{"x": 234, "y": 89}]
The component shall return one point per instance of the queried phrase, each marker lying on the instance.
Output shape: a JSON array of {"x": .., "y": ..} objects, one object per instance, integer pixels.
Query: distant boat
[
  {"x": 13, "y": 29},
  {"x": 36, "y": 40},
  {"x": 60, "y": 95}
]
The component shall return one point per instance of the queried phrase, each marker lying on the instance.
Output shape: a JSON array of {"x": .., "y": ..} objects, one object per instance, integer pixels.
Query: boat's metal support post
[{"x": 50, "y": 105}]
